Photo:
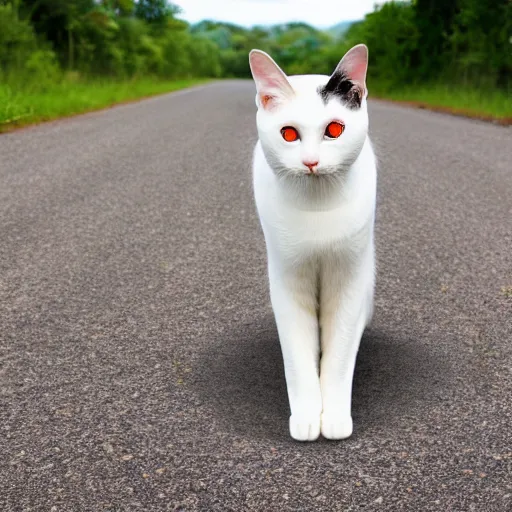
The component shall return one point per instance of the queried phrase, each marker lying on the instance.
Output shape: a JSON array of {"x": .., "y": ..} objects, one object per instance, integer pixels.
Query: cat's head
[{"x": 311, "y": 124}]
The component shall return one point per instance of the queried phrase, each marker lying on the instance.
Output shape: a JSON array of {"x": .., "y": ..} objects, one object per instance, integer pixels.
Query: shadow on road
[{"x": 244, "y": 381}]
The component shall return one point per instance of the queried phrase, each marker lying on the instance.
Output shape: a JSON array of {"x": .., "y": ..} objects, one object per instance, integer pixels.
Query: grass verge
[
  {"x": 24, "y": 105},
  {"x": 485, "y": 104},
  {"x": 20, "y": 106}
]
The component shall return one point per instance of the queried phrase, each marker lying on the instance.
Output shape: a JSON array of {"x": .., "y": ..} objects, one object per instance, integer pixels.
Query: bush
[{"x": 42, "y": 68}]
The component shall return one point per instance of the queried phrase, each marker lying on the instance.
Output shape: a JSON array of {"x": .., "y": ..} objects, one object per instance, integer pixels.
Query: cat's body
[{"x": 315, "y": 195}]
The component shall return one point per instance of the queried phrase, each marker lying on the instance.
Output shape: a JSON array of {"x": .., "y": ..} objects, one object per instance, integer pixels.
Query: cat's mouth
[
  {"x": 311, "y": 174},
  {"x": 319, "y": 172}
]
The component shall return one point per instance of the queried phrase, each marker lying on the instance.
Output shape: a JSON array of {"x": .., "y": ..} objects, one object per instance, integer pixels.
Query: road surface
[{"x": 140, "y": 365}]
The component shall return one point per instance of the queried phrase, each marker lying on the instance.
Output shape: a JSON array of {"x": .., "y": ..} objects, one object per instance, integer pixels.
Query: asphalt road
[{"x": 140, "y": 365}]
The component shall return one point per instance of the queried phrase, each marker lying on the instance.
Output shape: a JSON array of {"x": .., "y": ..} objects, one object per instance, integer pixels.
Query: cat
[{"x": 314, "y": 180}]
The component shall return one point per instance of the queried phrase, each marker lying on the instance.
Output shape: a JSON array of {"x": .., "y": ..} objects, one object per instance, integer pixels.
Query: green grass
[
  {"x": 27, "y": 105},
  {"x": 490, "y": 103}
]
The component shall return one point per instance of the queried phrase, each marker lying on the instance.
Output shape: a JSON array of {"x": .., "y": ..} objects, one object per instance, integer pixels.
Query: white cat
[{"x": 315, "y": 186}]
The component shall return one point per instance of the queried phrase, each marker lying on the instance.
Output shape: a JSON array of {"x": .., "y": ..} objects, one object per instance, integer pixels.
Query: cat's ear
[
  {"x": 349, "y": 78},
  {"x": 272, "y": 84}
]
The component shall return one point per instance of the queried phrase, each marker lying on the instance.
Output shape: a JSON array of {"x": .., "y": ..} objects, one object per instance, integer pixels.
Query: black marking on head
[{"x": 341, "y": 86}]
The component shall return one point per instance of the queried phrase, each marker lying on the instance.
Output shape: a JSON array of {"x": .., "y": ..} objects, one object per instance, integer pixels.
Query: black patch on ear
[{"x": 341, "y": 86}]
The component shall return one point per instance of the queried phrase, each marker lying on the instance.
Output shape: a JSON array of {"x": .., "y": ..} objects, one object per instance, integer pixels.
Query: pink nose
[{"x": 311, "y": 165}]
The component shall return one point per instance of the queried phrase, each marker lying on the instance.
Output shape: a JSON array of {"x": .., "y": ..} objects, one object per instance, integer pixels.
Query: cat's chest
[
  {"x": 310, "y": 231},
  {"x": 297, "y": 221}
]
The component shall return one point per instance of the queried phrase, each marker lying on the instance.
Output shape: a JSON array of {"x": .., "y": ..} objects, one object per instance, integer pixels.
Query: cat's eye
[
  {"x": 334, "y": 130},
  {"x": 290, "y": 134}
]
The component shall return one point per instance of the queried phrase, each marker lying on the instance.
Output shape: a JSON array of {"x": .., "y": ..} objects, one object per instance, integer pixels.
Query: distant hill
[
  {"x": 208, "y": 25},
  {"x": 340, "y": 28}
]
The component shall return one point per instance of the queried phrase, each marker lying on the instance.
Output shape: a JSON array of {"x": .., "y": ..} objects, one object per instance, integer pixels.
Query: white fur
[{"x": 319, "y": 236}]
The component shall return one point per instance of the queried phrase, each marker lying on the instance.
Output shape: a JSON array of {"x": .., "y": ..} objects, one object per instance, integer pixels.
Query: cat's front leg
[
  {"x": 294, "y": 303},
  {"x": 344, "y": 312}
]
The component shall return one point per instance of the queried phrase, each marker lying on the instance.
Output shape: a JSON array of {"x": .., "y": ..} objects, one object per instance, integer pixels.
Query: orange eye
[
  {"x": 290, "y": 134},
  {"x": 334, "y": 130}
]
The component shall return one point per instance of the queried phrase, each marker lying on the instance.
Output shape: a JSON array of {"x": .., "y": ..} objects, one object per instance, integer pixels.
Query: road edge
[
  {"x": 15, "y": 127},
  {"x": 457, "y": 112}
]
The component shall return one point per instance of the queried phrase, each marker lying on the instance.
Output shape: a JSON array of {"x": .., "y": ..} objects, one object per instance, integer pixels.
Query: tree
[
  {"x": 17, "y": 39},
  {"x": 155, "y": 11},
  {"x": 481, "y": 49},
  {"x": 434, "y": 20}
]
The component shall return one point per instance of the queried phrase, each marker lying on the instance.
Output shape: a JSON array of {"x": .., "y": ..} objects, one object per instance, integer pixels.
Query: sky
[{"x": 319, "y": 13}]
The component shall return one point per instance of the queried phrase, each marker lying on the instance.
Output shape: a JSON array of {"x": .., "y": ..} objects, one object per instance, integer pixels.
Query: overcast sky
[{"x": 320, "y": 13}]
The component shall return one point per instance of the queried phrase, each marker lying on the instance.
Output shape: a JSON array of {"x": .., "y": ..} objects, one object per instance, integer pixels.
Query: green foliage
[
  {"x": 463, "y": 42},
  {"x": 17, "y": 40},
  {"x": 481, "y": 42},
  {"x": 43, "y": 65},
  {"x": 393, "y": 38},
  {"x": 155, "y": 11},
  {"x": 460, "y": 42},
  {"x": 115, "y": 38},
  {"x": 431, "y": 44}
]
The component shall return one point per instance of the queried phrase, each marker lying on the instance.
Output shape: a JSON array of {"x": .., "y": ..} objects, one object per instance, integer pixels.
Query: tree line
[
  {"x": 39, "y": 39},
  {"x": 465, "y": 42}
]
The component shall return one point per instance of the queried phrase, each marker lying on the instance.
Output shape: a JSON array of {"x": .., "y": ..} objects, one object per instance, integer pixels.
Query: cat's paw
[
  {"x": 304, "y": 427},
  {"x": 335, "y": 426}
]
